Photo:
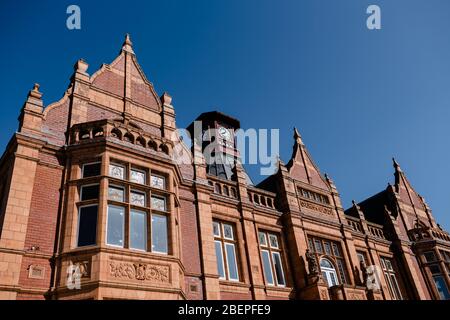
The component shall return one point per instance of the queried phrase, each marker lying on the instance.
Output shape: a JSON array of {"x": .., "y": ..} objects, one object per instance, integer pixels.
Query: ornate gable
[{"x": 301, "y": 167}]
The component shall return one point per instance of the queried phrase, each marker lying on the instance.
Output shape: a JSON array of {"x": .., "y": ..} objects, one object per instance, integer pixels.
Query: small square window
[
  {"x": 273, "y": 241},
  {"x": 117, "y": 171},
  {"x": 159, "y": 203},
  {"x": 228, "y": 231},
  {"x": 158, "y": 182},
  {"x": 262, "y": 239},
  {"x": 216, "y": 229},
  {"x": 90, "y": 192},
  {"x": 137, "y": 198},
  {"x": 137, "y": 176},
  {"x": 116, "y": 194},
  {"x": 91, "y": 170}
]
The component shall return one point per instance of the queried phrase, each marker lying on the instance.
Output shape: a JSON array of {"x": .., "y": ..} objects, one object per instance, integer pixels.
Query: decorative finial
[
  {"x": 297, "y": 136},
  {"x": 35, "y": 93},
  {"x": 127, "y": 44},
  {"x": 166, "y": 99},
  {"x": 396, "y": 165}
]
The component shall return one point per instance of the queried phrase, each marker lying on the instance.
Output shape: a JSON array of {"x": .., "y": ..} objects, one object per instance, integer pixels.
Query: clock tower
[{"x": 215, "y": 131}]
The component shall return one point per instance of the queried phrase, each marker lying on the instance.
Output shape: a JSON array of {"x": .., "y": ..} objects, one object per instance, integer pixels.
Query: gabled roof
[{"x": 301, "y": 167}]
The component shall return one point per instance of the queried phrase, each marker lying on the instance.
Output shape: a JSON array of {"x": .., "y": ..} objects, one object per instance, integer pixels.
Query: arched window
[
  {"x": 116, "y": 133},
  {"x": 218, "y": 189},
  {"x": 328, "y": 272}
]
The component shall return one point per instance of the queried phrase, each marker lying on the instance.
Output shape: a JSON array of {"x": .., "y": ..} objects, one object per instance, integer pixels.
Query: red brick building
[{"x": 94, "y": 204}]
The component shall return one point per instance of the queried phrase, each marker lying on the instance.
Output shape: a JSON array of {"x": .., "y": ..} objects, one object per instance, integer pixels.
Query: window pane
[
  {"x": 231, "y": 262},
  {"x": 395, "y": 287},
  {"x": 435, "y": 269},
  {"x": 388, "y": 265},
  {"x": 216, "y": 229},
  {"x": 138, "y": 230},
  {"x": 429, "y": 256},
  {"x": 91, "y": 170},
  {"x": 441, "y": 287},
  {"x": 341, "y": 268},
  {"x": 310, "y": 244},
  {"x": 336, "y": 250},
  {"x": 333, "y": 279},
  {"x": 116, "y": 194},
  {"x": 137, "y": 198},
  {"x": 318, "y": 245},
  {"x": 87, "y": 226},
  {"x": 228, "y": 231},
  {"x": 159, "y": 203},
  {"x": 361, "y": 257},
  {"x": 278, "y": 268},
  {"x": 115, "y": 226},
  {"x": 273, "y": 241},
  {"x": 137, "y": 176},
  {"x": 159, "y": 233},
  {"x": 116, "y": 171},
  {"x": 262, "y": 239},
  {"x": 90, "y": 192},
  {"x": 158, "y": 182},
  {"x": 327, "y": 247},
  {"x": 267, "y": 267},
  {"x": 219, "y": 256}
]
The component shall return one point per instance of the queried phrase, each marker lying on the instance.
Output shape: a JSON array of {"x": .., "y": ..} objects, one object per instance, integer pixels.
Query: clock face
[{"x": 225, "y": 133}]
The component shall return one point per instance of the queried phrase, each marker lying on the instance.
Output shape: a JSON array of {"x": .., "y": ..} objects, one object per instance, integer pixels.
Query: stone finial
[
  {"x": 166, "y": 99},
  {"x": 127, "y": 44},
  {"x": 81, "y": 66},
  {"x": 35, "y": 93},
  {"x": 297, "y": 136}
]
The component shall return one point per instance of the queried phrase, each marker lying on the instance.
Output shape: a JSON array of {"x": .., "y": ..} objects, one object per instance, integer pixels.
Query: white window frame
[
  {"x": 274, "y": 269},
  {"x": 151, "y": 233},
  {"x": 328, "y": 272},
  {"x": 215, "y": 223},
  {"x": 223, "y": 231},
  {"x": 123, "y": 227},
  {"x": 145, "y": 232},
  {"x": 223, "y": 260},
  {"x": 228, "y": 261},
  {"x": 271, "y": 268}
]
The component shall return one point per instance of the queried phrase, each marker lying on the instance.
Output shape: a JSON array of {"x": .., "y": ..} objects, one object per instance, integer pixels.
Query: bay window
[{"x": 136, "y": 210}]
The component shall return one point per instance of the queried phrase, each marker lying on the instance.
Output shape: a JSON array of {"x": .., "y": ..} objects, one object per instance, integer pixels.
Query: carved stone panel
[
  {"x": 140, "y": 271},
  {"x": 316, "y": 207}
]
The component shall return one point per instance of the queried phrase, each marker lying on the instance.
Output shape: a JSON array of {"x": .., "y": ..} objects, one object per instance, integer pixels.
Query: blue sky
[{"x": 358, "y": 97}]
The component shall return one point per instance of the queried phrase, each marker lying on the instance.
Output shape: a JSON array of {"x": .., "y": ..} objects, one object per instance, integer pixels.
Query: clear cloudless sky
[{"x": 358, "y": 97}]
